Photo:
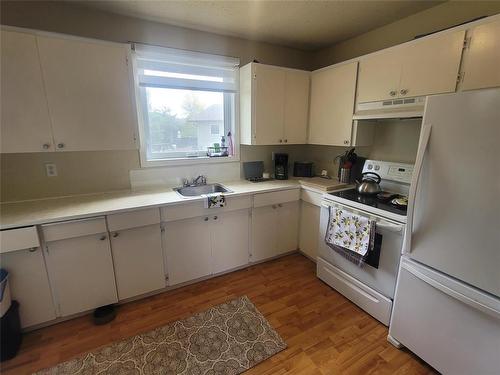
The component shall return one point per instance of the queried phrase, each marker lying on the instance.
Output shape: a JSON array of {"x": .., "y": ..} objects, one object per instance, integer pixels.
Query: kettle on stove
[{"x": 369, "y": 184}]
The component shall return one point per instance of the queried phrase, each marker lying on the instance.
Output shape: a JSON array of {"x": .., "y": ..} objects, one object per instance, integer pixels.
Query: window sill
[{"x": 189, "y": 161}]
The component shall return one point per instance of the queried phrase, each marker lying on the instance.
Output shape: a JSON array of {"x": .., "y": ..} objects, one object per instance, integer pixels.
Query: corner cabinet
[
  {"x": 64, "y": 93},
  {"x": 275, "y": 224},
  {"x": 333, "y": 92},
  {"x": 422, "y": 67},
  {"x": 274, "y": 104},
  {"x": 481, "y": 61}
]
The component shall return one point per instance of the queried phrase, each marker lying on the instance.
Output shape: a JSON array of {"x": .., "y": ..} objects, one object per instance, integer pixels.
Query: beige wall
[{"x": 436, "y": 18}]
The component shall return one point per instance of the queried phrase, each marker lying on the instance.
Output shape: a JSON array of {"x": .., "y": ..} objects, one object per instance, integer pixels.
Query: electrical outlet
[{"x": 50, "y": 169}]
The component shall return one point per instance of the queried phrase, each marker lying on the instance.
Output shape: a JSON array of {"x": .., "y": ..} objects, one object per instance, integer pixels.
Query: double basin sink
[{"x": 195, "y": 191}]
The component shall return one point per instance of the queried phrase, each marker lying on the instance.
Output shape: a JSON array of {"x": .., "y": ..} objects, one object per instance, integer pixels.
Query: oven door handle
[{"x": 389, "y": 226}]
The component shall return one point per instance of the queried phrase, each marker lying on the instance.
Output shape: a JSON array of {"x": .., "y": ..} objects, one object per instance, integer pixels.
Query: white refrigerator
[{"x": 447, "y": 301}]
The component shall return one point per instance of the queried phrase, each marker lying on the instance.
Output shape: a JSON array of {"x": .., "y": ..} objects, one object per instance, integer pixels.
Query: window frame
[{"x": 142, "y": 129}]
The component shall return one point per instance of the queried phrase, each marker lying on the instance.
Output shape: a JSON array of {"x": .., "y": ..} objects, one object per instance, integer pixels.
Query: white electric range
[{"x": 372, "y": 286}]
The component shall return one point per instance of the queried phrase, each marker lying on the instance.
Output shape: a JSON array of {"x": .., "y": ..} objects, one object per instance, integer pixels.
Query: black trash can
[{"x": 10, "y": 332}]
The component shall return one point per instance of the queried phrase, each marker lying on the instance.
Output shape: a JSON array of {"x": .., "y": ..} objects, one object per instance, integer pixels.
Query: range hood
[{"x": 393, "y": 108}]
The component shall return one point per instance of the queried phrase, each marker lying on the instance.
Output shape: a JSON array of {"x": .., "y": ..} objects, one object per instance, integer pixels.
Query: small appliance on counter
[
  {"x": 254, "y": 171},
  {"x": 303, "y": 169},
  {"x": 281, "y": 166}
]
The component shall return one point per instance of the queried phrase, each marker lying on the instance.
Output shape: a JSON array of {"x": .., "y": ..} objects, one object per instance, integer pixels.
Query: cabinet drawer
[
  {"x": 266, "y": 199},
  {"x": 368, "y": 299},
  {"x": 311, "y": 197},
  {"x": 74, "y": 228},
  {"x": 17, "y": 239},
  {"x": 188, "y": 210},
  {"x": 133, "y": 219}
]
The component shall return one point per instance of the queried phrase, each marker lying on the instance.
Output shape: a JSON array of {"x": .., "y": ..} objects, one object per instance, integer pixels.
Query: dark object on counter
[
  {"x": 104, "y": 314},
  {"x": 350, "y": 160},
  {"x": 369, "y": 184},
  {"x": 253, "y": 169},
  {"x": 10, "y": 330},
  {"x": 303, "y": 169},
  {"x": 281, "y": 166}
]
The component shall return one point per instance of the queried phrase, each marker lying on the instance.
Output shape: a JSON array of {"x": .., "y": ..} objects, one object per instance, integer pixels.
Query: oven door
[{"x": 380, "y": 277}]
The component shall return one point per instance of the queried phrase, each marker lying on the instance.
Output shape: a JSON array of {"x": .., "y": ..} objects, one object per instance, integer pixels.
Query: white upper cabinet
[
  {"x": 274, "y": 104},
  {"x": 424, "y": 67},
  {"x": 332, "y": 105},
  {"x": 431, "y": 66},
  {"x": 25, "y": 122},
  {"x": 379, "y": 76},
  {"x": 89, "y": 94},
  {"x": 296, "y": 106},
  {"x": 481, "y": 62}
]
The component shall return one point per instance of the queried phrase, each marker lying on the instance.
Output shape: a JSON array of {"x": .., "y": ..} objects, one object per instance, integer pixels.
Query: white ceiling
[{"x": 304, "y": 24}]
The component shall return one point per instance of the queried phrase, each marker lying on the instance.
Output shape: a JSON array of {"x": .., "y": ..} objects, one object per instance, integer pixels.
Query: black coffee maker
[{"x": 281, "y": 166}]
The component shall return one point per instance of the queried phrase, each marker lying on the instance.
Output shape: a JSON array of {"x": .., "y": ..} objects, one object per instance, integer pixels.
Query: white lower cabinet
[
  {"x": 138, "y": 260},
  {"x": 230, "y": 240},
  {"x": 309, "y": 229},
  {"x": 274, "y": 230},
  {"x": 80, "y": 265},
  {"x": 206, "y": 245},
  {"x": 187, "y": 248},
  {"x": 29, "y": 285}
]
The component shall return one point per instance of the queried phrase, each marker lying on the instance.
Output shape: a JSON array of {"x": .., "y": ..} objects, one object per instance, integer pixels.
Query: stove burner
[{"x": 383, "y": 200}]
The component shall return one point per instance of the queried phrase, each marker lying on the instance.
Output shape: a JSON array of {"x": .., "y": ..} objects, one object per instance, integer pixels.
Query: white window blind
[{"x": 173, "y": 68}]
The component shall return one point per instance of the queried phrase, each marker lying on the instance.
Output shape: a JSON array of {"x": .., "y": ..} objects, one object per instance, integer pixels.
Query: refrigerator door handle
[
  {"x": 491, "y": 311},
  {"x": 422, "y": 148}
]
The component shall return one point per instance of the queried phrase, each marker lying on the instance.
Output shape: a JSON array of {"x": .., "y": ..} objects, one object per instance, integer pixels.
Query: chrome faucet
[{"x": 200, "y": 180}]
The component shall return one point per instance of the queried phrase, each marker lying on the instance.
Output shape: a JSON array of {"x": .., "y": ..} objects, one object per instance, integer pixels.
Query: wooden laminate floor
[{"x": 325, "y": 332}]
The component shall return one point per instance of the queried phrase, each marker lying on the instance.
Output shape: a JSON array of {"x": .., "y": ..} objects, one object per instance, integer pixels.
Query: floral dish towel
[{"x": 349, "y": 231}]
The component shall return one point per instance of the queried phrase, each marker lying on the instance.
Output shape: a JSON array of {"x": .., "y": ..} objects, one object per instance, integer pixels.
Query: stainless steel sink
[{"x": 194, "y": 191}]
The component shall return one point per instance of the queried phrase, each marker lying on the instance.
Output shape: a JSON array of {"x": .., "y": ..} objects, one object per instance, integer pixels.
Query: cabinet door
[
  {"x": 89, "y": 96},
  {"x": 296, "y": 107},
  {"x": 187, "y": 247},
  {"x": 332, "y": 105},
  {"x": 481, "y": 67},
  {"x": 309, "y": 229},
  {"x": 269, "y": 104},
  {"x": 138, "y": 260},
  {"x": 287, "y": 227},
  {"x": 29, "y": 285},
  {"x": 431, "y": 66},
  {"x": 82, "y": 271},
  {"x": 379, "y": 76},
  {"x": 264, "y": 236},
  {"x": 230, "y": 240},
  {"x": 25, "y": 122}
]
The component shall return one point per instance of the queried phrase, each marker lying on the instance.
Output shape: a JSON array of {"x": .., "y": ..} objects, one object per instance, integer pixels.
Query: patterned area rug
[{"x": 226, "y": 339}]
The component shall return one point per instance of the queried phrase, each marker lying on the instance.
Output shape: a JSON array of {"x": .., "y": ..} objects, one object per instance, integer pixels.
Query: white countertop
[{"x": 19, "y": 214}]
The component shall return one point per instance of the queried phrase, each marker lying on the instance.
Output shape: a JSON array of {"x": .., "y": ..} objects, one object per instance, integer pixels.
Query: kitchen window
[{"x": 187, "y": 102}]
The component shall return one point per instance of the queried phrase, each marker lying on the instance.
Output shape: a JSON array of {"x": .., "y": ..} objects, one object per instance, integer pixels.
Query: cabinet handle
[
  {"x": 280, "y": 205},
  {"x": 281, "y": 141},
  {"x": 46, "y": 146},
  {"x": 102, "y": 238},
  {"x": 33, "y": 249},
  {"x": 215, "y": 217},
  {"x": 392, "y": 93},
  {"x": 116, "y": 234},
  {"x": 206, "y": 219},
  {"x": 404, "y": 91},
  {"x": 346, "y": 142},
  {"x": 60, "y": 145},
  {"x": 286, "y": 140}
]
